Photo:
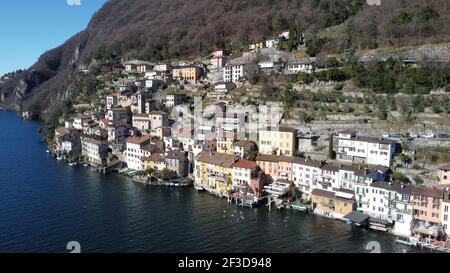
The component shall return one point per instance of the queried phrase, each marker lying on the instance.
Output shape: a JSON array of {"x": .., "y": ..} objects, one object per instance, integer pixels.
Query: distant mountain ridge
[{"x": 166, "y": 29}]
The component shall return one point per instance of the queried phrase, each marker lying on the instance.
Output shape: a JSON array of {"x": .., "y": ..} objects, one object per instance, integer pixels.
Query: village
[{"x": 133, "y": 128}]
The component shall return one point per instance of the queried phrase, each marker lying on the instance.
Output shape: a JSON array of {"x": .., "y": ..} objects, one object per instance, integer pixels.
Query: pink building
[{"x": 276, "y": 167}]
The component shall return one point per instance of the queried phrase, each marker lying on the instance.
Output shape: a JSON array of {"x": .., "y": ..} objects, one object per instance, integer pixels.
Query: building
[
  {"x": 369, "y": 150},
  {"x": 94, "y": 150},
  {"x": 213, "y": 172},
  {"x": 299, "y": 66},
  {"x": 276, "y": 167},
  {"x": 332, "y": 204},
  {"x": 233, "y": 72},
  {"x": 427, "y": 204},
  {"x": 172, "y": 100},
  {"x": 243, "y": 148},
  {"x": 225, "y": 142},
  {"x": 117, "y": 115},
  {"x": 156, "y": 162},
  {"x": 444, "y": 174},
  {"x": 218, "y": 59},
  {"x": 280, "y": 141},
  {"x": 271, "y": 65},
  {"x": 82, "y": 121},
  {"x": 177, "y": 161},
  {"x": 189, "y": 73},
  {"x": 112, "y": 100},
  {"x": 248, "y": 180},
  {"x": 158, "y": 119},
  {"x": 306, "y": 175},
  {"x": 220, "y": 90},
  {"x": 392, "y": 202},
  {"x": 445, "y": 212},
  {"x": 138, "y": 66},
  {"x": 134, "y": 152},
  {"x": 117, "y": 132}
]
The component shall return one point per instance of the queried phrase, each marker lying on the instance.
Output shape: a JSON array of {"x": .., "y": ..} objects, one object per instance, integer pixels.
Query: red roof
[{"x": 245, "y": 164}]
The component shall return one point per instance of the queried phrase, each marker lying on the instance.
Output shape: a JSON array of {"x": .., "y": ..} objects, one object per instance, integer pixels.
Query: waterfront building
[
  {"x": 156, "y": 161},
  {"x": 135, "y": 151},
  {"x": 445, "y": 212},
  {"x": 306, "y": 175},
  {"x": 213, "y": 171},
  {"x": 427, "y": 204},
  {"x": 248, "y": 179},
  {"x": 178, "y": 162},
  {"x": 332, "y": 204},
  {"x": 276, "y": 167},
  {"x": 94, "y": 150}
]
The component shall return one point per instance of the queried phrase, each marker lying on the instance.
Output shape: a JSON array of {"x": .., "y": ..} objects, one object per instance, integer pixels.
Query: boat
[
  {"x": 409, "y": 241},
  {"x": 71, "y": 164},
  {"x": 85, "y": 165},
  {"x": 198, "y": 187},
  {"x": 59, "y": 158},
  {"x": 48, "y": 152}
]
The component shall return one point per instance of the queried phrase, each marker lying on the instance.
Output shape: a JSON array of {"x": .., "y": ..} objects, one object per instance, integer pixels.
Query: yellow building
[
  {"x": 444, "y": 174},
  {"x": 187, "y": 73},
  {"x": 278, "y": 141},
  {"x": 156, "y": 161},
  {"x": 225, "y": 141},
  {"x": 213, "y": 172}
]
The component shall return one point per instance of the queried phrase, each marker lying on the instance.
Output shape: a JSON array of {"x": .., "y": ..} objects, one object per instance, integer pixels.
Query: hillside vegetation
[{"x": 174, "y": 29}]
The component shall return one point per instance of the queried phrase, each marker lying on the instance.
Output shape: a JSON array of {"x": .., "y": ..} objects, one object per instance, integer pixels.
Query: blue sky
[{"x": 29, "y": 28}]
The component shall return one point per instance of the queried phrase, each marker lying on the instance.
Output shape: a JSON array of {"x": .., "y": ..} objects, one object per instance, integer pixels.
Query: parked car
[
  {"x": 428, "y": 135},
  {"x": 443, "y": 136}
]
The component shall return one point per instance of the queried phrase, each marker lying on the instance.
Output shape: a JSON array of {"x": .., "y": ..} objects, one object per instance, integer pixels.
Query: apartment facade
[
  {"x": 369, "y": 150},
  {"x": 134, "y": 152},
  {"x": 280, "y": 141},
  {"x": 213, "y": 171},
  {"x": 233, "y": 73},
  {"x": 187, "y": 73}
]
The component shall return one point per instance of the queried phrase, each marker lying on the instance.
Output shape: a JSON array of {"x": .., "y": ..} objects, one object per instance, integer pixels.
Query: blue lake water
[{"x": 44, "y": 204}]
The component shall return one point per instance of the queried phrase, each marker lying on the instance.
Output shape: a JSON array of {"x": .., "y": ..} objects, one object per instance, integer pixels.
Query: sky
[{"x": 29, "y": 28}]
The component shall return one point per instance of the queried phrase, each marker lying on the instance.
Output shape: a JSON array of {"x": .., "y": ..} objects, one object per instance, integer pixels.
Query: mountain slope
[{"x": 166, "y": 29}]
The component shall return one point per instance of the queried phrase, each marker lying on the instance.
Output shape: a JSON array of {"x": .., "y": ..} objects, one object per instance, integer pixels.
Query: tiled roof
[
  {"x": 245, "y": 164},
  {"x": 324, "y": 193},
  {"x": 139, "y": 140},
  {"x": 218, "y": 159}
]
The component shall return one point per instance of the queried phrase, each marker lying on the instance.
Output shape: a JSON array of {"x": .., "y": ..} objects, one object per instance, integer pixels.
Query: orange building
[
  {"x": 332, "y": 204},
  {"x": 187, "y": 73}
]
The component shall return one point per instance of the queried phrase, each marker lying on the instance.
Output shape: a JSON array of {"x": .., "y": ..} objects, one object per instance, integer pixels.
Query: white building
[
  {"x": 94, "y": 150},
  {"x": 369, "y": 150},
  {"x": 243, "y": 172},
  {"x": 233, "y": 72},
  {"x": 304, "y": 65},
  {"x": 445, "y": 213},
  {"x": 305, "y": 174},
  {"x": 81, "y": 121},
  {"x": 174, "y": 100},
  {"x": 134, "y": 152}
]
